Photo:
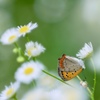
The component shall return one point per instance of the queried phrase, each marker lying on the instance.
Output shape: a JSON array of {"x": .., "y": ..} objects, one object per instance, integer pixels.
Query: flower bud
[
  {"x": 83, "y": 83},
  {"x": 20, "y": 59},
  {"x": 15, "y": 50}
]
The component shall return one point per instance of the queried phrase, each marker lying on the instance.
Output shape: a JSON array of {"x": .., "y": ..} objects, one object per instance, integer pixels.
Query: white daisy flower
[
  {"x": 33, "y": 49},
  {"x": 26, "y": 28},
  {"x": 50, "y": 82},
  {"x": 9, "y": 91},
  {"x": 10, "y": 36},
  {"x": 76, "y": 93},
  {"x": 56, "y": 94},
  {"x": 36, "y": 94},
  {"x": 28, "y": 71},
  {"x": 63, "y": 92},
  {"x": 86, "y": 51}
]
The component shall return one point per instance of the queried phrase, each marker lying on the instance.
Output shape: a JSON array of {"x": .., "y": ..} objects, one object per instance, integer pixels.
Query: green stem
[
  {"x": 88, "y": 89},
  {"x": 27, "y": 37},
  {"x": 91, "y": 94},
  {"x": 94, "y": 76},
  {"x": 16, "y": 45},
  {"x": 34, "y": 58},
  {"x": 79, "y": 78},
  {"x": 20, "y": 52},
  {"x": 19, "y": 49},
  {"x": 55, "y": 77},
  {"x": 34, "y": 83},
  {"x": 14, "y": 97}
]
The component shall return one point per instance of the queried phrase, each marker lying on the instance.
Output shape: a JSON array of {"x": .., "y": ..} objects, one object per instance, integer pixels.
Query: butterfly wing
[
  {"x": 68, "y": 75},
  {"x": 68, "y": 67},
  {"x": 71, "y": 65}
]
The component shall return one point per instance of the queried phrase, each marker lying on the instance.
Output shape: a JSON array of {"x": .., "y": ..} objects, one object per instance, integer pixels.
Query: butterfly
[{"x": 69, "y": 67}]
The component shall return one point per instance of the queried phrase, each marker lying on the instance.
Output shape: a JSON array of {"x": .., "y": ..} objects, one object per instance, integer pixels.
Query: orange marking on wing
[
  {"x": 70, "y": 75},
  {"x": 61, "y": 60}
]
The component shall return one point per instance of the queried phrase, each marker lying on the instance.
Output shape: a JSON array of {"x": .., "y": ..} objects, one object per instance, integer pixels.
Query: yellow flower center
[
  {"x": 10, "y": 91},
  {"x": 29, "y": 51},
  {"x": 23, "y": 29},
  {"x": 11, "y": 38},
  {"x": 28, "y": 70}
]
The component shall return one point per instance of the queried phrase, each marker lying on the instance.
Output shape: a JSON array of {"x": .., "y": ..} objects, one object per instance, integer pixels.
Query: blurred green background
[{"x": 64, "y": 27}]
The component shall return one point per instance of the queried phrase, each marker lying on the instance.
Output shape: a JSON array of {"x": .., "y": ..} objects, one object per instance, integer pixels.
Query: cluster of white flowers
[
  {"x": 11, "y": 35},
  {"x": 30, "y": 70},
  {"x": 61, "y": 92}
]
